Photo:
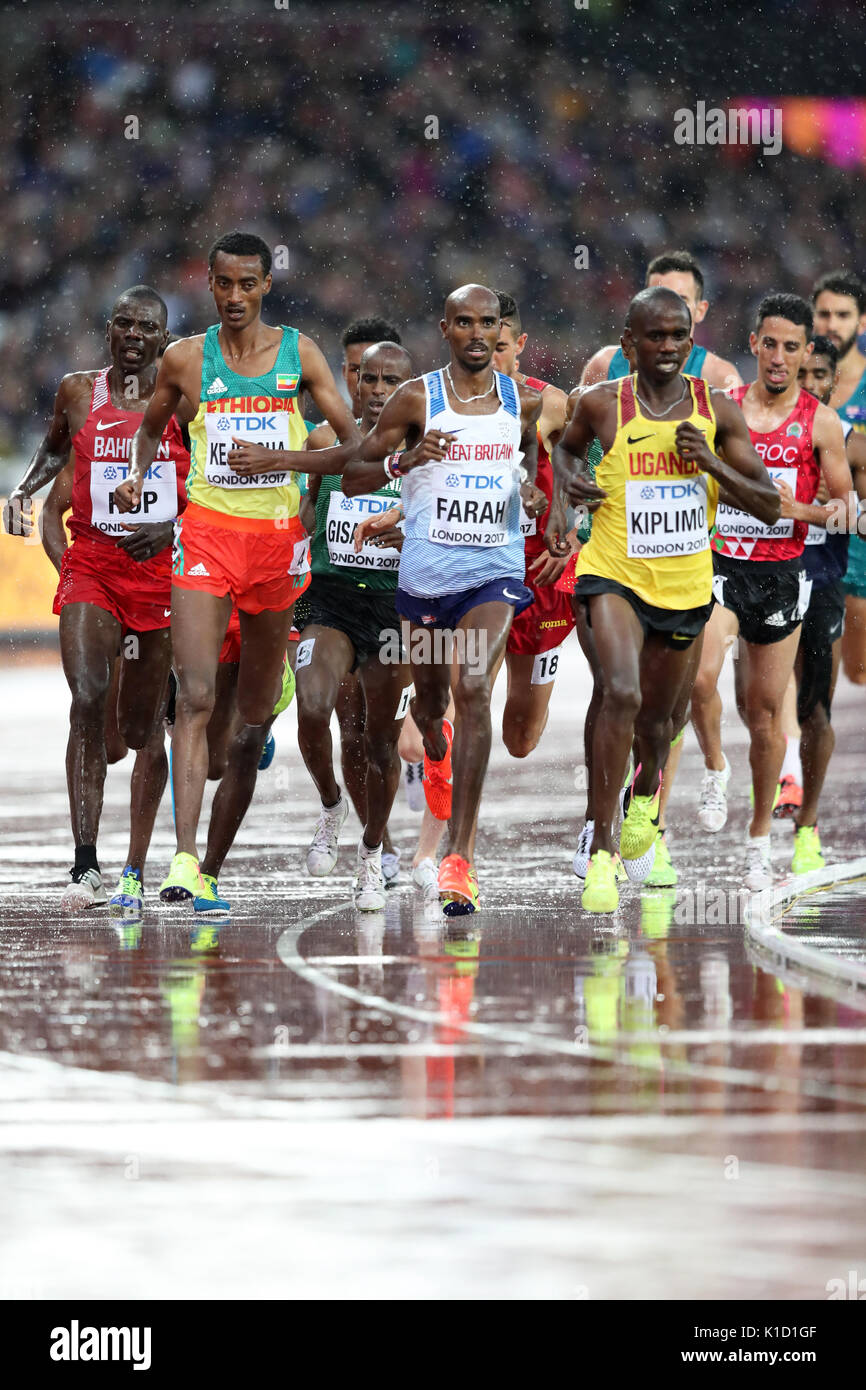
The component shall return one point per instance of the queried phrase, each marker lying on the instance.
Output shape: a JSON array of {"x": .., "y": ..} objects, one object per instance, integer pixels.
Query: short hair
[
  {"x": 682, "y": 261},
  {"x": 842, "y": 282},
  {"x": 825, "y": 347},
  {"x": 142, "y": 292},
  {"x": 778, "y": 305},
  {"x": 395, "y": 347},
  {"x": 241, "y": 244},
  {"x": 644, "y": 299},
  {"x": 508, "y": 310},
  {"x": 370, "y": 330}
]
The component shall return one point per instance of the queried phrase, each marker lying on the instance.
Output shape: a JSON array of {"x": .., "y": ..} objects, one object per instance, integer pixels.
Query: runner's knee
[{"x": 195, "y": 698}]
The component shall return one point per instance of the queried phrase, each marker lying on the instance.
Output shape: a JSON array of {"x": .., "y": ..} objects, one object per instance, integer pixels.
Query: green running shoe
[
  {"x": 640, "y": 826},
  {"x": 662, "y": 874},
  {"x": 128, "y": 895},
  {"x": 207, "y": 902},
  {"x": 807, "y": 850},
  {"x": 600, "y": 893},
  {"x": 287, "y": 694},
  {"x": 183, "y": 880}
]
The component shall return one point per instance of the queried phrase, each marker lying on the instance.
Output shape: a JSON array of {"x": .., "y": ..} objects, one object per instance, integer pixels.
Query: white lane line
[
  {"x": 287, "y": 947},
  {"x": 765, "y": 909}
]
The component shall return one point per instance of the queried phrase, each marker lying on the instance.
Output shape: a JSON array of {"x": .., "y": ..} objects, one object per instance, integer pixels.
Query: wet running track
[{"x": 529, "y": 1104}]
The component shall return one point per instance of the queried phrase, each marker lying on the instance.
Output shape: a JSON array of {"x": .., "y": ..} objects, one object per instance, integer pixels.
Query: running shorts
[
  {"x": 230, "y": 652},
  {"x": 446, "y": 610},
  {"x": 822, "y": 626},
  {"x": 855, "y": 575},
  {"x": 769, "y": 597},
  {"x": 545, "y": 624},
  {"x": 260, "y": 569},
  {"x": 678, "y": 627},
  {"x": 368, "y": 618},
  {"x": 135, "y": 592}
]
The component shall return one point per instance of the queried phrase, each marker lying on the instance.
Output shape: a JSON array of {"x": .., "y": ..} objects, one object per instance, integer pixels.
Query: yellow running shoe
[
  {"x": 807, "y": 850},
  {"x": 600, "y": 893},
  {"x": 287, "y": 694},
  {"x": 662, "y": 874},
  {"x": 183, "y": 880},
  {"x": 640, "y": 825}
]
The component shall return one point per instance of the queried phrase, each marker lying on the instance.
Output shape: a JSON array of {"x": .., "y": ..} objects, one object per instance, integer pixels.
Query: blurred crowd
[{"x": 395, "y": 152}]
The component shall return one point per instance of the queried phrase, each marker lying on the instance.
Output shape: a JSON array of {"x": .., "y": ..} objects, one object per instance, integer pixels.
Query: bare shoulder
[
  {"x": 322, "y": 437},
  {"x": 597, "y": 367},
  {"x": 531, "y": 400},
  {"x": 828, "y": 421},
  {"x": 717, "y": 372},
  {"x": 593, "y": 401},
  {"x": 76, "y": 384}
]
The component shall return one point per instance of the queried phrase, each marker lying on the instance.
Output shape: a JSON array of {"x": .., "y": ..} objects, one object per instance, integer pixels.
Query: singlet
[
  {"x": 693, "y": 365},
  {"x": 332, "y": 550},
  {"x": 825, "y": 557},
  {"x": 462, "y": 526},
  {"x": 262, "y": 410},
  {"x": 651, "y": 533},
  {"x": 533, "y": 527},
  {"x": 787, "y": 454},
  {"x": 853, "y": 412},
  {"x": 102, "y": 448}
]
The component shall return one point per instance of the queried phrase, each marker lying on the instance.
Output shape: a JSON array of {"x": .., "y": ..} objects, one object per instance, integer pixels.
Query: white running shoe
[
  {"x": 759, "y": 874},
  {"x": 580, "y": 862},
  {"x": 86, "y": 889},
  {"x": 413, "y": 783},
  {"x": 713, "y": 810},
  {"x": 391, "y": 868},
  {"x": 322, "y": 854},
  {"x": 426, "y": 877},
  {"x": 369, "y": 890},
  {"x": 638, "y": 869}
]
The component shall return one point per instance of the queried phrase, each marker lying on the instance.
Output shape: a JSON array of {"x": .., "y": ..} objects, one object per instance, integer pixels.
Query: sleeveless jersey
[
  {"x": 693, "y": 365},
  {"x": 533, "y": 528},
  {"x": 651, "y": 533},
  {"x": 462, "y": 524},
  {"x": 101, "y": 448},
  {"x": 853, "y": 412},
  {"x": 787, "y": 454},
  {"x": 259, "y": 410},
  {"x": 332, "y": 550},
  {"x": 825, "y": 557}
]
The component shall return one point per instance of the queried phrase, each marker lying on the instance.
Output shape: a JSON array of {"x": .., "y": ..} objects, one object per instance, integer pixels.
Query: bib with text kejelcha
[
  {"x": 344, "y": 515},
  {"x": 269, "y": 428},
  {"x": 730, "y": 521},
  {"x": 470, "y": 508},
  {"x": 158, "y": 493},
  {"x": 665, "y": 518}
]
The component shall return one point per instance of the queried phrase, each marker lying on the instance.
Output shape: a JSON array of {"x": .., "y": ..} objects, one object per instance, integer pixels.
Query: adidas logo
[
  {"x": 216, "y": 385},
  {"x": 775, "y": 620},
  {"x": 200, "y": 569}
]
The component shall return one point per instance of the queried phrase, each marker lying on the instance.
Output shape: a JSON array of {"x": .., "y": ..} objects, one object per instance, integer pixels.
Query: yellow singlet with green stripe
[
  {"x": 651, "y": 533},
  {"x": 257, "y": 409}
]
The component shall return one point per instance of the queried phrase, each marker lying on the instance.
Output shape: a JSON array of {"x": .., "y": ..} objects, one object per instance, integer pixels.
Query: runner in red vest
[{"x": 760, "y": 585}]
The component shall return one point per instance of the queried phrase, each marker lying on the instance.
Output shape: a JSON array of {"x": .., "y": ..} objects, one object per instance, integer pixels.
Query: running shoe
[
  {"x": 183, "y": 880},
  {"x": 662, "y": 874},
  {"x": 807, "y": 850},
  {"x": 759, "y": 874},
  {"x": 129, "y": 895},
  {"x": 413, "y": 783},
  {"x": 323, "y": 851},
  {"x": 207, "y": 902},
  {"x": 640, "y": 826},
  {"x": 437, "y": 779},
  {"x": 268, "y": 752},
  {"x": 788, "y": 800},
  {"x": 85, "y": 889},
  {"x": 713, "y": 810},
  {"x": 458, "y": 886},
  {"x": 391, "y": 868},
  {"x": 426, "y": 877},
  {"x": 287, "y": 694},
  {"x": 580, "y": 862},
  {"x": 600, "y": 893},
  {"x": 368, "y": 893},
  {"x": 637, "y": 870}
]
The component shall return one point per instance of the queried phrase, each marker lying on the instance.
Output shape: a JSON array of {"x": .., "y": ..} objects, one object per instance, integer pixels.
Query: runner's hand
[
  {"x": 144, "y": 541},
  {"x": 556, "y": 534},
  {"x": 546, "y": 569},
  {"x": 787, "y": 497},
  {"x": 372, "y": 527},
  {"x": 581, "y": 491},
  {"x": 127, "y": 495},
  {"x": 533, "y": 499},
  {"x": 692, "y": 447},
  {"x": 18, "y": 515},
  {"x": 248, "y": 459},
  {"x": 431, "y": 449}
]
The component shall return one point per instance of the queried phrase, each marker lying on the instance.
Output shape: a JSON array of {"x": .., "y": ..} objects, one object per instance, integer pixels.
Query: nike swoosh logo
[
  {"x": 166, "y": 612},
  {"x": 639, "y": 438},
  {"x": 506, "y": 594},
  {"x": 107, "y": 424}
]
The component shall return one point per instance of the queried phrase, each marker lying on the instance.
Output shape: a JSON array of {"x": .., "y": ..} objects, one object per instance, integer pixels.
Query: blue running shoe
[
  {"x": 268, "y": 752},
  {"x": 129, "y": 896},
  {"x": 209, "y": 903}
]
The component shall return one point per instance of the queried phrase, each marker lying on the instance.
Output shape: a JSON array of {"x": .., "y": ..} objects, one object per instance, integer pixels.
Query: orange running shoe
[
  {"x": 458, "y": 886},
  {"x": 789, "y": 799},
  {"x": 437, "y": 777}
]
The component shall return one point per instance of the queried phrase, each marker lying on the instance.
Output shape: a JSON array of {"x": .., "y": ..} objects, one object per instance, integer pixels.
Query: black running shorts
[
  {"x": 768, "y": 597},
  {"x": 822, "y": 626},
  {"x": 678, "y": 627},
  {"x": 368, "y": 618}
]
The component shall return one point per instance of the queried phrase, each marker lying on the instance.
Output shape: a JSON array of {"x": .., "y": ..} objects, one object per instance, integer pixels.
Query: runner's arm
[
  {"x": 50, "y": 456},
  {"x": 164, "y": 403},
  {"x": 719, "y": 373},
  {"x": 739, "y": 472},
  {"x": 402, "y": 419},
  {"x": 855, "y": 447},
  {"x": 571, "y": 481},
  {"x": 307, "y": 509},
  {"x": 54, "y": 538},
  {"x": 596, "y": 368},
  {"x": 552, "y": 422},
  {"x": 829, "y": 444}
]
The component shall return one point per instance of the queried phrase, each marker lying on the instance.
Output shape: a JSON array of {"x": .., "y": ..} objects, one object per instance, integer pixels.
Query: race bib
[
  {"x": 158, "y": 496},
  {"x": 730, "y": 521},
  {"x": 528, "y": 525},
  {"x": 665, "y": 518},
  {"x": 816, "y": 535},
  {"x": 269, "y": 428},
  {"x": 300, "y": 557},
  {"x": 344, "y": 515},
  {"x": 469, "y": 508}
]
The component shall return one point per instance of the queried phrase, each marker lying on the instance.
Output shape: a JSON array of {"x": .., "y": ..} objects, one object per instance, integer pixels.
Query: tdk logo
[
  {"x": 76, "y": 1343},
  {"x": 676, "y": 491},
  {"x": 250, "y": 423},
  {"x": 373, "y": 504},
  {"x": 482, "y": 482}
]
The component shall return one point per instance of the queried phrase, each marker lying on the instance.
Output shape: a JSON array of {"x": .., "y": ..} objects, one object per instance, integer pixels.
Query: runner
[
  {"x": 645, "y": 574},
  {"x": 462, "y": 562},
  {"x": 839, "y": 304},
  {"x": 760, "y": 583},
  {"x": 532, "y": 649},
  {"x": 115, "y": 585},
  {"x": 353, "y": 626},
  {"x": 240, "y": 540},
  {"x": 825, "y": 559}
]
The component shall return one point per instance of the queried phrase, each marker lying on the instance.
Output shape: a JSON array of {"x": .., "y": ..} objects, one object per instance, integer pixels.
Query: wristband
[{"x": 392, "y": 465}]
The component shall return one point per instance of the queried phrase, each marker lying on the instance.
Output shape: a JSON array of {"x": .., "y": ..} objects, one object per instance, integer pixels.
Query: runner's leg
[{"x": 198, "y": 626}]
